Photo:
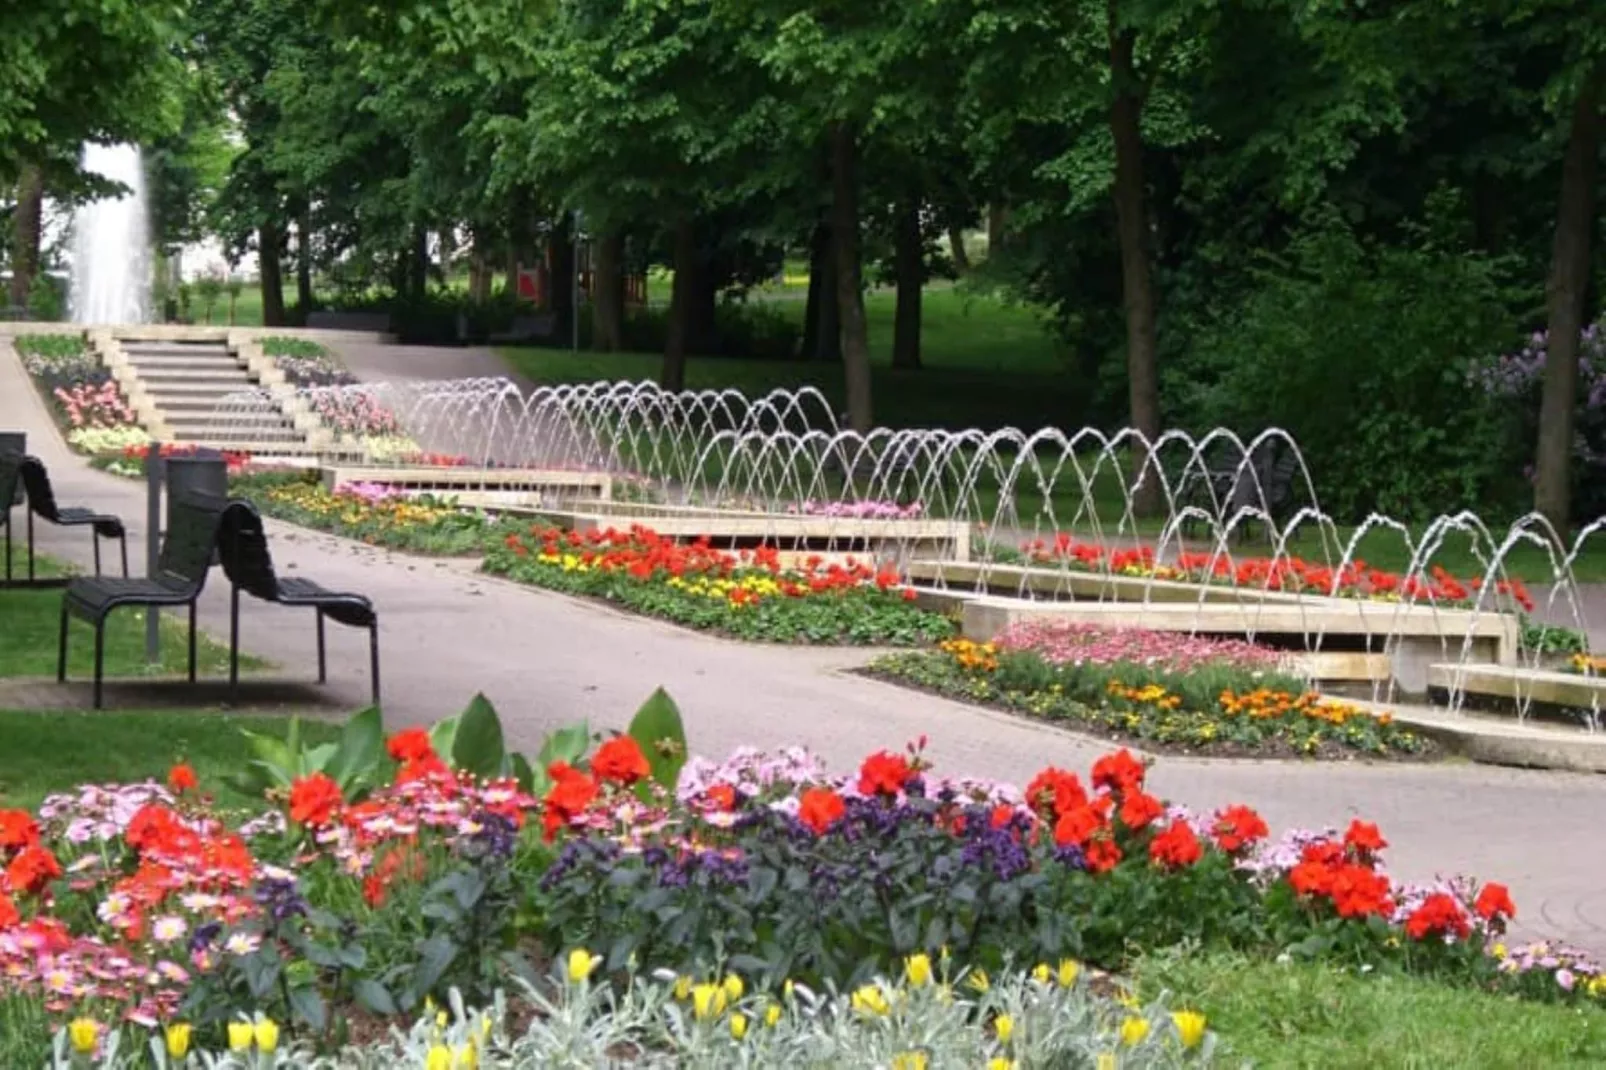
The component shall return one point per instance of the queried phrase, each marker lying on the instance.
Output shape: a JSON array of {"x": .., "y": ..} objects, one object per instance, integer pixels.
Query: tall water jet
[{"x": 111, "y": 262}]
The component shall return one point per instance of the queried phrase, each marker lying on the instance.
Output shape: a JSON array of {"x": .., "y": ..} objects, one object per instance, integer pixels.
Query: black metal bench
[
  {"x": 187, "y": 550},
  {"x": 41, "y": 502},
  {"x": 243, "y": 547},
  {"x": 1224, "y": 490}
]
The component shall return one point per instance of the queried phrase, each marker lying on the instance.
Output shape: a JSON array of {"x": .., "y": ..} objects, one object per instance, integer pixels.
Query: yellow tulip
[
  {"x": 918, "y": 968},
  {"x": 1042, "y": 974},
  {"x": 979, "y": 981},
  {"x": 1133, "y": 1030},
  {"x": 772, "y": 1014},
  {"x": 1068, "y": 971},
  {"x": 786, "y": 989},
  {"x": 998, "y": 1062},
  {"x": 738, "y": 1025},
  {"x": 83, "y": 1032},
  {"x": 581, "y": 963},
  {"x": 267, "y": 1035},
  {"x": 240, "y": 1035},
  {"x": 466, "y": 1058},
  {"x": 439, "y": 1058},
  {"x": 733, "y": 987},
  {"x": 869, "y": 999},
  {"x": 707, "y": 1001},
  {"x": 178, "y": 1040},
  {"x": 1004, "y": 1027},
  {"x": 1106, "y": 1061},
  {"x": 1190, "y": 1027},
  {"x": 682, "y": 988},
  {"x": 910, "y": 1060}
]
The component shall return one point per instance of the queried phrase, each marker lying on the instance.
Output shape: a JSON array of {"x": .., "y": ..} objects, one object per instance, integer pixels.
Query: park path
[{"x": 546, "y": 660}]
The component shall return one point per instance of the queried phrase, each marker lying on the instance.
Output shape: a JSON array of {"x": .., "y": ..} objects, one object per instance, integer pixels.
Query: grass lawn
[
  {"x": 1326, "y": 1019},
  {"x": 43, "y": 752}
]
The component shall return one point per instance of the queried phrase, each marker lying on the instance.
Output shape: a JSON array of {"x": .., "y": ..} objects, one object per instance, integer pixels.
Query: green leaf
[
  {"x": 523, "y": 773},
  {"x": 477, "y": 747},
  {"x": 658, "y": 729},
  {"x": 309, "y": 1007},
  {"x": 361, "y": 749},
  {"x": 372, "y": 994},
  {"x": 443, "y": 736},
  {"x": 565, "y": 745},
  {"x": 274, "y": 756}
]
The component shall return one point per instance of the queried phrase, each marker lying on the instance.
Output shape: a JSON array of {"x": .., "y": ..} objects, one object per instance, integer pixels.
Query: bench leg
[
  {"x": 61, "y": 649},
  {"x": 234, "y": 640},
  {"x": 100, "y": 658},
  {"x": 94, "y": 537},
  {"x": 123, "y": 543},
  {"x": 323, "y": 664},
  {"x": 30, "y": 542},
  {"x": 373, "y": 657},
  {"x": 8, "y": 545},
  {"x": 192, "y": 642}
]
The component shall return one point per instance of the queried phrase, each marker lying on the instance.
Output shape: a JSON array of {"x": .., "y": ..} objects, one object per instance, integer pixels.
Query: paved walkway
[{"x": 545, "y": 660}]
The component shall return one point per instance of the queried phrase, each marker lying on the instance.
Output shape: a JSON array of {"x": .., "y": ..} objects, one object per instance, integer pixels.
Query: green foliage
[
  {"x": 354, "y": 761},
  {"x": 658, "y": 730},
  {"x": 1362, "y": 352}
]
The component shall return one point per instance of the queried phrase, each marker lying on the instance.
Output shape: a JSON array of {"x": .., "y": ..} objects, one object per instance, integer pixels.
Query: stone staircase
[{"x": 208, "y": 388}]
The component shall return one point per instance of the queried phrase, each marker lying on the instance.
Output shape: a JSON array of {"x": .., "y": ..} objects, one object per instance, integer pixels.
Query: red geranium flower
[
  {"x": 1139, "y": 808},
  {"x": 17, "y": 829},
  {"x": 1439, "y": 915},
  {"x": 1364, "y": 837},
  {"x": 153, "y": 827},
  {"x": 571, "y": 792},
  {"x": 9, "y": 915},
  {"x": 32, "y": 869},
  {"x": 1358, "y": 891},
  {"x": 427, "y": 766},
  {"x": 181, "y": 778},
  {"x": 1494, "y": 901},
  {"x": 1102, "y": 855},
  {"x": 1238, "y": 827},
  {"x": 410, "y": 745},
  {"x": 1177, "y": 847},
  {"x": 1055, "y": 790},
  {"x": 1118, "y": 772},
  {"x": 884, "y": 773},
  {"x": 313, "y": 800},
  {"x": 1311, "y": 878},
  {"x": 820, "y": 808},
  {"x": 722, "y": 796},
  {"x": 1077, "y": 827},
  {"x": 621, "y": 761}
]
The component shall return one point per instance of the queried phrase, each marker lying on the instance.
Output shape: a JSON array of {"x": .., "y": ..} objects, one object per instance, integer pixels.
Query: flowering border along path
[
  {"x": 747, "y": 595},
  {"x": 1166, "y": 691},
  {"x": 387, "y": 873}
]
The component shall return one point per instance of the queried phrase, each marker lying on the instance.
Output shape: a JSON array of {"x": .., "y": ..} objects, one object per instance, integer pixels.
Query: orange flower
[
  {"x": 1139, "y": 808},
  {"x": 1077, "y": 827},
  {"x": 1440, "y": 915},
  {"x": 1358, "y": 891},
  {"x": 410, "y": 745},
  {"x": 1177, "y": 847},
  {"x": 820, "y": 808},
  {"x": 1055, "y": 790},
  {"x": 571, "y": 792},
  {"x": 181, "y": 778},
  {"x": 722, "y": 796},
  {"x": 426, "y": 766},
  {"x": 1102, "y": 855},
  {"x": 1119, "y": 772},
  {"x": 17, "y": 829},
  {"x": 620, "y": 760},
  {"x": 1238, "y": 827},
  {"x": 1494, "y": 901},
  {"x": 32, "y": 869},
  {"x": 884, "y": 773},
  {"x": 9, "y": 915},
  {"x": 313, "y": 800},
  {"x": 153, "y": 827}
]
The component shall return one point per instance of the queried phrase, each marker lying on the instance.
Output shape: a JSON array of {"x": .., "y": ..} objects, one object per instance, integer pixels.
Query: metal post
[
  {"x": 153, "y": 532},
  {"x": 575, "y": 260}
]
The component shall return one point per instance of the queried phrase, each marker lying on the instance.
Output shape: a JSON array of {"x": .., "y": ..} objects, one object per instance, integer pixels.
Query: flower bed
[
  {"x": 130, "y": 462},
  {"x": 1165, "y": 690},
  {"x": 861, "y": 510},
  {"x": 377, "y": 515},
  {"x": 1355, "y": 580},
  {"x": 387, "y": 873},
  {"x": 749, "y": 595},
  {"x": 87, "y": 404},
  {"x": 305, "y": 363}
]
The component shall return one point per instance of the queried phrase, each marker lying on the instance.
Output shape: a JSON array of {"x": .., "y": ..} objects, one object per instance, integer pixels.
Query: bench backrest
[
  {"x": 243, "y": 546},
  {"x": 36, "y": 481},
  {"x": 193, "y": 518},
  {"x": 10, "y": 478}
]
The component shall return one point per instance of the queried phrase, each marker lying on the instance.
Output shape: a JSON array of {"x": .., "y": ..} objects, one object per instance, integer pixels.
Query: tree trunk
[
  {"x": 418, "y": 264},
  {"x": 1137, "y": 286},
  {"x": 304, "y": 262},
  {"x": 956, "y": 250},
  {"x": 270, "y": 242},
  {"x": 29, "y": 226},
  {"x": 681, "y": 297},
  {"x": 822, "y": 331},
  {"x": 560, "y": 296},
  {"x": 909, "y": 269},
  {"x": 479, "y": 271},
  {"x": 997, "y": 221},
  {"x": 849, "y": 293},
  {"x": 608, "y": 294},
  {"x": 1569, "y": 279}
]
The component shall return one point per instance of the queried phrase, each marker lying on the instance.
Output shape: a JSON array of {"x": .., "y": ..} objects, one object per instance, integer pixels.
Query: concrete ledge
[
  {"x": 522, "y": 481},
  {"x": 1501, "y": 741},
  {"x": 1010, "y": 580},
  {"x": 1521, "y": 684}
]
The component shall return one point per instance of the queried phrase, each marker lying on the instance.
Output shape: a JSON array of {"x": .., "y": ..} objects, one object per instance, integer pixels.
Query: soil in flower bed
[
  {"x": 745, "y": 595},
  {"x": 1168, "y": 693}
]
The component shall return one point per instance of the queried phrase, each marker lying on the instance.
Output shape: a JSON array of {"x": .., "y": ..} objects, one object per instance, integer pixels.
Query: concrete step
[
  {"x": 198, "y": 401},
  {"x": 223, "y": 363},
  {"x": 198, "y": 388},
  {"x": 1521, "y": 684},
  {"x": 234, "y": 441},
  {"x": 189, "y": 375},
  {"x": 192, "y": 418},
  {"x": 174, "y": 348}
]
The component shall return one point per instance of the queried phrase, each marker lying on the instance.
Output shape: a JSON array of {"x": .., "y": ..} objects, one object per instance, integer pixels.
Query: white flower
[
  {"x": 169, "y": 928},
  {"x": 242, "y": 944}
]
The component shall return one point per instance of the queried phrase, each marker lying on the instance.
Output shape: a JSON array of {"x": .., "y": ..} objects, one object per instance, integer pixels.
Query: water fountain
[{"x": 111, "y": 262}]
